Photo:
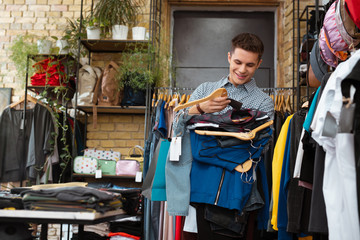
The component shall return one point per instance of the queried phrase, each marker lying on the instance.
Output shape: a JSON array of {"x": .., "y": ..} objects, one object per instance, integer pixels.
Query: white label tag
[
  {"x": 22, "y": 124},
  {"x": 175, "y": 149},
  {"x": 98, "y": 174},
  {"x": 138, "y": 177}
]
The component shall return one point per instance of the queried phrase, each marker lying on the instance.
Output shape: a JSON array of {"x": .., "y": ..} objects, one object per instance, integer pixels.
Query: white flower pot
[
  {"x": 120, "y": 32},
  {"x": 63, "y": 46},
  {"x": 93, "y": 32},
  {"x": 138, "y": 33},
  {"x": 44, "y": 46}
]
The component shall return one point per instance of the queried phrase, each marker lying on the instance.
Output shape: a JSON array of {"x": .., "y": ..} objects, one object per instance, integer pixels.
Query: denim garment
[{"x": 206, "y": 174}]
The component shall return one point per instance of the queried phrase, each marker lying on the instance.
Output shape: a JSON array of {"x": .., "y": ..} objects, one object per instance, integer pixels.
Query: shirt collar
[{"x": 249, "y": 86}]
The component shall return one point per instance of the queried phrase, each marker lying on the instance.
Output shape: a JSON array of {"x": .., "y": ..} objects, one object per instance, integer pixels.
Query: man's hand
[{"x": 211, "y": 106}]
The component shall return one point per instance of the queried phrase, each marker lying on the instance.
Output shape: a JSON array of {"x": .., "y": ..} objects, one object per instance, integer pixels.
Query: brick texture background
[{"x": 117, "y": 132}]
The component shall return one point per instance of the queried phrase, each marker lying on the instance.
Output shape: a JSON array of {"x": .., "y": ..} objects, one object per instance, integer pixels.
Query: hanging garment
[
  {"x": 158, "y": 191},
  {"x": 282, "y": 218},
  {"x": 276, "y": 169},
  {"x": 213, "y": 178},
  {"x": 18, "y": 152},
  {"x": 334, "y": 195}
]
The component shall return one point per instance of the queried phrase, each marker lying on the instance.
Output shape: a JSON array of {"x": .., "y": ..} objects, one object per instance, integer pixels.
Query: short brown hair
[{"x": 249, "y": 42}]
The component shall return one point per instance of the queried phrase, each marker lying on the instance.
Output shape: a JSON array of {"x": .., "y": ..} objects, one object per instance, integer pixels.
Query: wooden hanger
[
  {"x": 183, "y": 99},
  {"x": 240, "y": 135},
  {"x": 160, "y": 97},
  {"x": 220, "y": 92},
  {"x": 175, "y": 98},
  {"x": 244, "y": 167},
  {"x": 288, "y": 107},
  {"x": 188, "y": 97},
  {"x": 22, "y": 99},
  {"x": 153, "y": 100},
  {"x": 282, "y": 103}
]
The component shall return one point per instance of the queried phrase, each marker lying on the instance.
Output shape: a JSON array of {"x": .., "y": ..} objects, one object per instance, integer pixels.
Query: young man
[{"x": 244, "y": 60}]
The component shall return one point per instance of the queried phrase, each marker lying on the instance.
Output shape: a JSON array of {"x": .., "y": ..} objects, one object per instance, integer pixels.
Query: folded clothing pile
[
  {"x": 10, "y": 200},
  {"x": 50, "y": 72},
  {"x": 80, "y": 199}
]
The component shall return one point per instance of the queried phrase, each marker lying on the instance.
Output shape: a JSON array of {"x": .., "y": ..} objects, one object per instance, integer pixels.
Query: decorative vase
[
  {"x": 63, "y": 46},
  {"x": 93, "y": 32},
  {"x": 119, "y": 32},
  {"x": 138, "y": 33},
  {"x": 44, "y": 46}
]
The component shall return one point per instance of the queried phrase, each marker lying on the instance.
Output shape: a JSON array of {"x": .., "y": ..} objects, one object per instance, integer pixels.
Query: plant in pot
[
  {"x": 92, "y": 24},
  {"x": 20, "y": 49},
  {"x": 69, "y": 42},
  {"x": 136, "y": 73},
  {"x": 138, "y": 28},
  {"x": 114, "y": 15}
]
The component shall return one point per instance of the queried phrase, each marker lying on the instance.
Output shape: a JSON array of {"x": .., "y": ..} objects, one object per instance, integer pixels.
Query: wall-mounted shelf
[
  {"x": 106, "y": 46},
  {"x": 114, "y": 109},
  {"x": 103, "y": 176}
]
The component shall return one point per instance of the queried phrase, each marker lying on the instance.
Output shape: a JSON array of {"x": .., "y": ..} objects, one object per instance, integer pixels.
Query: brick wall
[{"x": 116, "y": 132}]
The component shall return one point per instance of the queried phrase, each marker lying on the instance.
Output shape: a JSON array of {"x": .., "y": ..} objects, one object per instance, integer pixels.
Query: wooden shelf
[
  {"x": 103, "y": 176},
  {"x": 114, "y": 109},
  {"x": 104, "y": 46}
]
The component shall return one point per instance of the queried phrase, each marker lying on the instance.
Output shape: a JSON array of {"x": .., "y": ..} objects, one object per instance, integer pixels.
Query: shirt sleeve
[{"x": 267, "y": 106}]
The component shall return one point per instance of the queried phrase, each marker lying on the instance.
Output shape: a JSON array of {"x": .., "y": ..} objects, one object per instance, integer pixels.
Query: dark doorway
[{"x": 202, "y": 39}]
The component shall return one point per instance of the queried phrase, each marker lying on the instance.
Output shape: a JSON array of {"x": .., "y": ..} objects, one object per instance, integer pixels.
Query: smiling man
[{"x": 244, "y": 59}]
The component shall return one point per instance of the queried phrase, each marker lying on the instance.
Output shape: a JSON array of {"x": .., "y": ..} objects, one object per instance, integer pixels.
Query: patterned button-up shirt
[{"x": 249, "y": 94}]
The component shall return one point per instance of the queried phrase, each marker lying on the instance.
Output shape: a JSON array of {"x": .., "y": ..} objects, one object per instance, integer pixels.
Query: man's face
[{"x": 243, "y": 65}]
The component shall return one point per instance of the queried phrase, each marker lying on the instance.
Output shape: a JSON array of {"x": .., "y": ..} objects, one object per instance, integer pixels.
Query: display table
[{"x": 80, "y": 218}]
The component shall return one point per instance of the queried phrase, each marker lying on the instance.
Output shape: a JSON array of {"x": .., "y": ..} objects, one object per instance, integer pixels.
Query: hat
[
  {"x": 319, "y": 67},
  {"x": 327, "y": 56},
  {"x": 353, "y": 8},
  {"x": 333, "y": 38},
  {"x": 346, "y": 26}
]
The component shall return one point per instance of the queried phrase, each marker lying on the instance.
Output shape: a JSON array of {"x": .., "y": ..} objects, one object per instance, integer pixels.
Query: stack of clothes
[
  {"x": 79, "y": 199},
  {"x": 50, "y": 72}
]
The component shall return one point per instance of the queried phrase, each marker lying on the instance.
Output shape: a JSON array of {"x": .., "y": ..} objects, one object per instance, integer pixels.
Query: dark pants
[{"x": 206, "y": 229}]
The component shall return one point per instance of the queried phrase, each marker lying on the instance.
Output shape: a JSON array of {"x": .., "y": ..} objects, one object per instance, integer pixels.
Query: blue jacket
[{"x": 213, "y": 178}]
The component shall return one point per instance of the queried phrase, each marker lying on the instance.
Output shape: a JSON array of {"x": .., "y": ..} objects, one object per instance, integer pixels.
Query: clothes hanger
[
  {"x": 160, "y": 97},
  {"x": 244, "y": 167},
  {"x": 173, "y": 101},
  {"x": 153, "y": 100},
  {"x": 183, "y": 99},
  {"x": 220, "y": 92},
  {"x": 22, "y": 99},
  {"x": 188, "y": 97},
  {"x": 240, "y": 135},
  {"x": 288, "y": 107},
  {"x": 282, "y": 102}
]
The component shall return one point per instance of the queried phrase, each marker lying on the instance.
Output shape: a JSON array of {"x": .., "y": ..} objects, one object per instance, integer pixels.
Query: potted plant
[
  {"x": 20, "y": 48},
  {"x": 71, "y": 36},
  {"x": 92, "y": 24},
  {"x": 44, "y": 45},
  {"x": 114, "y": 15},
  {"x": 139, "y": 69},
  {"x": 138, "y": 29}
]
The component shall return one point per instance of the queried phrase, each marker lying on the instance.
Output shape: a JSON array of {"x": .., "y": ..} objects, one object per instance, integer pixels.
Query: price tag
[
  {"x": 98, "y": 173},
  {"x": 138, "y": 177},
  {"x": 175, "y": 149}
]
